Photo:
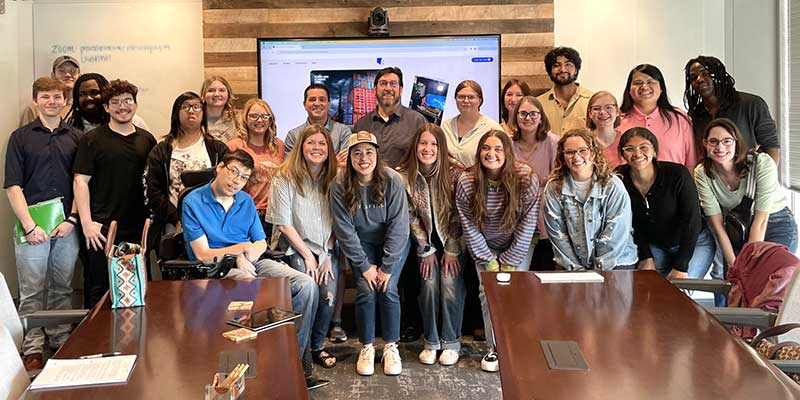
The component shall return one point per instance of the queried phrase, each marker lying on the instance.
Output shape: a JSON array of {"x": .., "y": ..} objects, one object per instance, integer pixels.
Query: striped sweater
[{"x": 490, "y": 241}]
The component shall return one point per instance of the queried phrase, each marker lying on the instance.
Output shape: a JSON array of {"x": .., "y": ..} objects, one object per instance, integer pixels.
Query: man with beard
[
  {"x": 393, "y": 124},
  {"x": 66, "y": 69},
  {"x": 108, "y": 183},
  {"x": 710, "y": 93},
  {"x": 87, "y": 110},
  {"x": 317, "y": 104},
  {"x": 566, "y": 103}
]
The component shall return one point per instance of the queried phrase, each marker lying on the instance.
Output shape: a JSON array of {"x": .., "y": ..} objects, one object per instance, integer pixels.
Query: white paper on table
[
  {"x": 570, "y": 277},
  {"x": 95, "y": 371}
]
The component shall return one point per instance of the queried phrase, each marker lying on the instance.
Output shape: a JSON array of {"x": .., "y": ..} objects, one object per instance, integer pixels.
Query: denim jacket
[{"x": 597, "y": 234}]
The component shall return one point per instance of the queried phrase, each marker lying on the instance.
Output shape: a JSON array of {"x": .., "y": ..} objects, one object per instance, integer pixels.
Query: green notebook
[{"x": 47, "y": 215}]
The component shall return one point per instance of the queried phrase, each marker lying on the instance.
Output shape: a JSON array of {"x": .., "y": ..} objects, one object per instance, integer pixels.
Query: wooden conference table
[
  {"x": 641, "y": 338},
  {"x": 178, "y": 339}
]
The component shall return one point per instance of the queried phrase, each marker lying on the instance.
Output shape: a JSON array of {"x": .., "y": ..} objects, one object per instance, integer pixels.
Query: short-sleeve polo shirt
[{"x": 203, "y": 215}]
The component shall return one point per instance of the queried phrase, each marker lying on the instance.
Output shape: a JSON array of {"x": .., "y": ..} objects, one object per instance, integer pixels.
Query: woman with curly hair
[{"x": 588, "y": 211}]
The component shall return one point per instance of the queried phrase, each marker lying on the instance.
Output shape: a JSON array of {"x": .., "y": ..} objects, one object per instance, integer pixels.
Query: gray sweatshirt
[{"x": 386, "y": 224}]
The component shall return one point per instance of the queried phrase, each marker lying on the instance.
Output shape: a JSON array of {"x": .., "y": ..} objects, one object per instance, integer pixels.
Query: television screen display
[{"x": 432, "y": 68}]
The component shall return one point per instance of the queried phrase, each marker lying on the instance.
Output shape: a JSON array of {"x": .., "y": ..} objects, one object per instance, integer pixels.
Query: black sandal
[{"x": 321, "y": 358}]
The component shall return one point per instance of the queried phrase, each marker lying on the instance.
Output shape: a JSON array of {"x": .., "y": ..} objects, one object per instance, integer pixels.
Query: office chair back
[
  {"x": 9, "y": 318},
  {"x": 13, "y": 377}
]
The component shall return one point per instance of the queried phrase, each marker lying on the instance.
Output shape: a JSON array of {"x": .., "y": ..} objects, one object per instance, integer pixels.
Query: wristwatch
[{"x": 426, "y": 248}]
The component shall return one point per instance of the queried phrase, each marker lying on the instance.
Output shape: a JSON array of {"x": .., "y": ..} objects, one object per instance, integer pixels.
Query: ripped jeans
[{"x": 327, "y": 300}]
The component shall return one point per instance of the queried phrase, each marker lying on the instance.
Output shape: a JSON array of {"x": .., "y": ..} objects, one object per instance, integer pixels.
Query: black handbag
[
  {"x": 184, "y": 270},
  {"x": 737, "y": 220}
]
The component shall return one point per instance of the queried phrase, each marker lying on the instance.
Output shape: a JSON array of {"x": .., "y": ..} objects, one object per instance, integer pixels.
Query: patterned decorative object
[
  {"x": 778, "y": 351},
  {"x": 128, "y": 278}
]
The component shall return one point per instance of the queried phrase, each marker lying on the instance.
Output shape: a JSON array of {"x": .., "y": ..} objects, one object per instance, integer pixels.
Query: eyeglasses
[
  {"x": 532, "y": 115},
  {"x": 467, "y": 97},
  {"x": 725, "y": 142},
  {"x": 236, "y": 174},
  {"x": 582, "y": 151},
  {"x": 608, "y": 108},
  {"x": 193, "y": 107},
  {"x": 393, "y": 84},
  {"x": 117, "y": 102},
  {"x": 642, "y": 148},
  {"x": 256, "y": 117}
]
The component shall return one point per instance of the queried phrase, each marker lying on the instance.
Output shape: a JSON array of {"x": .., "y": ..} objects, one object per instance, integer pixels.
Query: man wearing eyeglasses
[
  {"x": 108, "y": 183},
  {"x": 219, "y": 219},
  {"x": 66, "y": 69},
  {"x": 565, "y": 104},
  {"x": 392, "y": 124},
  {"x": 318, "y": 104}
]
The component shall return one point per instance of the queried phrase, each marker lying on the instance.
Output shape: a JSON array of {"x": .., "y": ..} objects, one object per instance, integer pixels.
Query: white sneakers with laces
[
  {"x": 366, "y": 360},
  {"x": 489, "y": 362},
  {"x": 427, "y": 356},
  {"x": 392, "y": 365},
  {"x": 448, "y": 357}
]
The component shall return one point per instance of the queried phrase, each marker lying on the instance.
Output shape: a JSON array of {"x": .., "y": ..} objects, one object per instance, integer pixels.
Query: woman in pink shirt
[
  {"x": 602, "y": 119},
  {"x": 258, "y": 139},
  {"x": 645, "y": 104}
]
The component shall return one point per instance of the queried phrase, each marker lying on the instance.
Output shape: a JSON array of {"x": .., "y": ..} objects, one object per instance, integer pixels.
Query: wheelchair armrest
[
  {"x": 717, "y": 286},
  {"x": 787, "y": 366},
  {"x": 754, "y": 317},
  {"x": 48, "y": 318},
  {"x": 181, "y": 263}
]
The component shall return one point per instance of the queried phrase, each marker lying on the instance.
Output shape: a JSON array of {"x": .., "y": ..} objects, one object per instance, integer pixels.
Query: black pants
[{"x": 95, "y": 273}]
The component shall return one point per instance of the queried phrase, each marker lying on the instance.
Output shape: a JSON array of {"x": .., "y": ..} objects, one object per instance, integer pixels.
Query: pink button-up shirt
[{"x": 675, "y": 143}]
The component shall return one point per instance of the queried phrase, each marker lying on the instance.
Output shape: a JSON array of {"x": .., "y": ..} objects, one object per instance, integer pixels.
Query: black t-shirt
[{"x": 116, "y": 164}]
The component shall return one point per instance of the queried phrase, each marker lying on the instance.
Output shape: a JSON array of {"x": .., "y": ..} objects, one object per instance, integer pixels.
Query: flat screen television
[{"x": 432, "y": 68}]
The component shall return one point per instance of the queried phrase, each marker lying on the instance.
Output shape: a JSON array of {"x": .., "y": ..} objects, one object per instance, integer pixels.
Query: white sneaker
[
  {"x": 448, "y": 357},
  {"x": 392, "y": 365},
  {"x": 366, "y": 360},
  {"x": 427, "y": 356},
  {"x": 489, "y": 362}
]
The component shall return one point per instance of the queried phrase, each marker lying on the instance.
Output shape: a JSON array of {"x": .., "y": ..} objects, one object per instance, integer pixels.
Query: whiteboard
[{"x": 156, "y": 45}]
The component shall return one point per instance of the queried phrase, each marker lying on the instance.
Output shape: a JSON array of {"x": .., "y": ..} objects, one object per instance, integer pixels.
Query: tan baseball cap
[
  {"x": 65, "y": 59},
  {"x": 361, "y": 137}
]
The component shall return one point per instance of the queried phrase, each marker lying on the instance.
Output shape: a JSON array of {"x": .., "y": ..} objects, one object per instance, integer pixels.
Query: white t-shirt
[{"x": 192, "y": 158}]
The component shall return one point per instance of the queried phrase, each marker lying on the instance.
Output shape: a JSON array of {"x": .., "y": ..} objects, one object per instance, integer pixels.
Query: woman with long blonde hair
[
  {"x": 431, "y": 176},
  {"x": 258, "y": 138},
  {"x": 299, "y": 209},
  {"x": 587, "y": 209},
  {"x": 497, "y": 199},
  {"x": 223, "y": 121}
]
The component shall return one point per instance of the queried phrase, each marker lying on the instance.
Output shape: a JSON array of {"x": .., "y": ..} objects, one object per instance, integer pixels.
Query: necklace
[
  {"x": 731, "y": 183},
  {"x": 527, "y": 153}
]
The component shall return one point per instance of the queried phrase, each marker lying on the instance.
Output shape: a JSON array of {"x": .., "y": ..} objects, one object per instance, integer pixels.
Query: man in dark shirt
[
  {"x": 38, "y": 168},
  {"x": 393, "y": 124},
  {"x": 710, "y": 93},
  {"x": 108, "y": 183}
]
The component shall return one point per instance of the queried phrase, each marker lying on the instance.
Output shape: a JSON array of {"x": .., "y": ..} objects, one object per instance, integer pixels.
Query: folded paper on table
[
  {"x": 82, "y": 372},
  {"x": 46, "y": 214},
  {"x": 570, "y": 277}
]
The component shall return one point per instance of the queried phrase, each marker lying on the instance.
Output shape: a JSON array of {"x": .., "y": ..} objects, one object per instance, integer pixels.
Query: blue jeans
[
  {"x": 782, "y": 229},
  {"x": 304, "y": 295},
  {"x": 703, "y": 255},
  {"x": 43, "y": 270},
  {"x": 325, "y": 303},
  {"x": 388, "y": 302},
  {"x": 442, "y": 296}
]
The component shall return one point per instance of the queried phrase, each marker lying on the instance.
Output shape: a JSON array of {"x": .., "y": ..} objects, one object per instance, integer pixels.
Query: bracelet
[
  {"x": 70, "y": 221},
  {"x": 31, "y": 231},
  {"x": 74, "y": 215}
]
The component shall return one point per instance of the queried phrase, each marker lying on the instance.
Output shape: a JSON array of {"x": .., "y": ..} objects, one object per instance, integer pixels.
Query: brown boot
[{"x": 33, "y": 361}]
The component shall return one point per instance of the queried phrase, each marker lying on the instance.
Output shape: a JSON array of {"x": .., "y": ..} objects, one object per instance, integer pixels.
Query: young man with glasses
[
  {"x": 108, "y": 183},
  {"x": 392, "y": 123},
  {"x": 219, "y": 219},
  {"x": 566, "y": 102},
  {"x": 317, "y": 104},
  {"x": 66, "y": 69}
]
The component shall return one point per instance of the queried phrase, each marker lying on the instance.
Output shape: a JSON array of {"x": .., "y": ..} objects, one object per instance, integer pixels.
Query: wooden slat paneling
[
  {"x": 354, "y": 29},
  {"x": 247, "y": 4}
]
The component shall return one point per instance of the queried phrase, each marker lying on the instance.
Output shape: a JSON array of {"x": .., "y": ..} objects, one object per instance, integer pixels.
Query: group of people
[{"x": 566, "y": 180}]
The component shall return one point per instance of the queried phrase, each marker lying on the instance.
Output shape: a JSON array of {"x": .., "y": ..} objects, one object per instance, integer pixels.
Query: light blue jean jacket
[{"x": 597, "y": 234}]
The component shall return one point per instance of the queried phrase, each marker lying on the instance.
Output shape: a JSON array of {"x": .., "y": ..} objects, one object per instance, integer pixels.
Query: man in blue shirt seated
[{"x": 219, "y": 219}]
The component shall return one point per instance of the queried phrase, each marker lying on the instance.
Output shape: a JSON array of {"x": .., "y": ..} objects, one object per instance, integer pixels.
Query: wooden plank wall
[{"x": 230, "y": 28}]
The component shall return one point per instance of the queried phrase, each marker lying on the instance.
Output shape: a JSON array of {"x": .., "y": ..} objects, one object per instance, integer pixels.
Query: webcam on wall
[{"x": 378, "y": 22}]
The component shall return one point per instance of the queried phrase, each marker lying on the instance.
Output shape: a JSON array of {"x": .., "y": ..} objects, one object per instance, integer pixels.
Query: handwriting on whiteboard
[{"x": 99, "y": 53}]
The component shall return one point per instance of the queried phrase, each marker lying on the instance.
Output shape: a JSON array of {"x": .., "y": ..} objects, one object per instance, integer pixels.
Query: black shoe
[
  {"x": 312, "y": 382},
  {"x": 409, "y": 334}
]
